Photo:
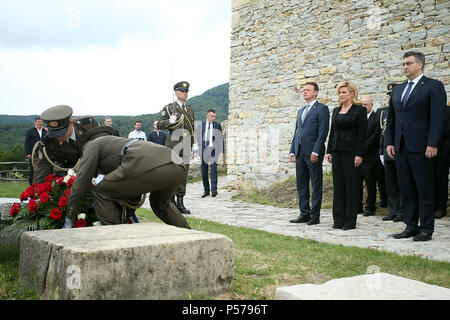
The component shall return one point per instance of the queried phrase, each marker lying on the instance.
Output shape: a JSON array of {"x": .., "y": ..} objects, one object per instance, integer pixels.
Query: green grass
[
  {"x": 12, "y": 189},
  {"x": 265, "y": 261}
]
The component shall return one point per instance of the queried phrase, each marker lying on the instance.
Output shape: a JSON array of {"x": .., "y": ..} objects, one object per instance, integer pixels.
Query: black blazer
[
  {"x": 153, "y": 137},
  {"x": 351, "y": 133},
  {"x": 31, "y": 137},
  {"x": 373, "y": 138}
]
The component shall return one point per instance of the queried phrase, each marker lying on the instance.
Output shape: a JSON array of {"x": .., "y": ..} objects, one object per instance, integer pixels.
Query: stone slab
[
  {"x": 135, "y": 261},
  {"x": 376, "y": 286}
]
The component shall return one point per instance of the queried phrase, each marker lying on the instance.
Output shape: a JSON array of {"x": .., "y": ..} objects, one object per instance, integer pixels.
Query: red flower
[
  {"x": 29, "y": 192},
  {"x": 55, "y": 214},
  {"x": 44, "y": 187},
  {"x": 50, "y": 177},
  {"x": 79, "y": 223},
  {"x": 59, "y": 181},
  {"x": 70, "y": 182},
  {"x": 32, "y": 205},
  {"x": 67, "y": 192},
  {"x": 23, "y": 196},
  {"x": 15, "y": 208},
  {"x": 62, "y": 202},
  {"x": 44, "y": 197}
]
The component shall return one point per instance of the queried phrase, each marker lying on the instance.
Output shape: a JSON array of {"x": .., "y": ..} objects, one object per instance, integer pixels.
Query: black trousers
[
  {"x": 394, "y": 201},
  {"x": 441, "y": 181},
  {"x": 346, "y": 184},
  {"x": 370, "y": 175}
]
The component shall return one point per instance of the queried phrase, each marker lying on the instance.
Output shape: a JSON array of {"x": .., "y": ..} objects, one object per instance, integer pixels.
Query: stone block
[
  {"x": 375, "y": 286},
  {"x": 135, "y": 261}
]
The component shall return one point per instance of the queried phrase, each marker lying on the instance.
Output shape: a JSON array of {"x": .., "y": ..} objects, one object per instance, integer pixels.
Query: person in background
[
  {"x": 32, "y": 136},
  {"x": 442, "y": 165},
  {"x": 156, "y": 136},
  {"x": 137, "y": 133},
  {"x": 345, "y": 151},
  {"x": 108, "y": 123}
]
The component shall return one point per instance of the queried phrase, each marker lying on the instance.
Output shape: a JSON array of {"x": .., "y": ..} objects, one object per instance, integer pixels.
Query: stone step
[
  {"x": 134, "y": 261},
  {"x": 375, "y": 286}
]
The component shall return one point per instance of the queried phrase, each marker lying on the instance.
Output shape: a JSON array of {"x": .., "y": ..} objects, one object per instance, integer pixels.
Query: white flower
[
  {"x": 82, "y": 216},
  {"x": 72, "y": 172},
  {"x": 97, "y": 224},
  {"x": 66, "y": 179}
]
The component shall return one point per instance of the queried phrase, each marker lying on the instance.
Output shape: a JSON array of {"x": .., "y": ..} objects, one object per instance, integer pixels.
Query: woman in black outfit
[{"x": 345, "y": 149}]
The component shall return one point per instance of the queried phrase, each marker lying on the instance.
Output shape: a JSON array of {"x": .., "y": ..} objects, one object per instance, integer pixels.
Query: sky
[{"x": 109, "y": 57}]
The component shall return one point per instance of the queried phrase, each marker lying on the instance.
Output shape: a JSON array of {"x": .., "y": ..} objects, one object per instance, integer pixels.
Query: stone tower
[{"x": 276, "y": 46}]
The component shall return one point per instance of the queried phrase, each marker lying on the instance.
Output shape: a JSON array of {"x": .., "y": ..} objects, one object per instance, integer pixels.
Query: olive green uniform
[
  {"x": 140, "y": 168},
  {"x": 66, "y": 154},
  {"x": 181, "y": 135}
]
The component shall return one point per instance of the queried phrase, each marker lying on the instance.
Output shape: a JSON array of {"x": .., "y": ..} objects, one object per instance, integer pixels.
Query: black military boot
[
  {"x": 181, "y": 206},
  {"x": 172, "y": 199}
]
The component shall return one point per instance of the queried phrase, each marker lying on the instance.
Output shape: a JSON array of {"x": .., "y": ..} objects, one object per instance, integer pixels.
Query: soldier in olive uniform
[
  {"x": 61, "y": 149},
  {"x": 131, "y": 167},
  {"x": 178, "y": 118}
]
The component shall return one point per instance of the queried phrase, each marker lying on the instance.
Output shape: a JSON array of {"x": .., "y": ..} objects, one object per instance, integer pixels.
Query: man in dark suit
[
  {"x": 210, "y": 150},
  {"x": 369, "y": 166},
  {"x": 307, "y": 151},
  {"x": 415, "y": 125},
  {"x": 156, "y": 136},
  {"x": 442, "y": 165},
  {"x": 108, "y": 123},
  {"x": 32, "y": 136}
]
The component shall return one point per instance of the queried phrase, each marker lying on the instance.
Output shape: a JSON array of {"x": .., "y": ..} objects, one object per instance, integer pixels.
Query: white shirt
[
  {"x": 137, "y": 135},
  {"x": 368, "y": 115},
  {"x": 210, "y": 138},
  {"x": 39, "y": 131},
  {"x": 415, "y": 81},
  {"x": 181, "y": 104}
]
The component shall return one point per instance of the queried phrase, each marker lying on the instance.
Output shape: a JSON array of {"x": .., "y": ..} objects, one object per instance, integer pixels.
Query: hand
[
  {"x": 431, "y": 152},
  {"x": 194, "y": 148},
  {"x": 329, "y": 157},
  {"x": 292, "y": 158},
  {"x": 314, "y": 158},
  {"x": 390, "y": 150},
  {"x": 358, "y": 161},
  {"x": 172, "y": 119}
]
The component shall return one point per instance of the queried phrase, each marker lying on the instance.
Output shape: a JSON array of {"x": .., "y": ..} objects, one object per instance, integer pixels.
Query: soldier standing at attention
[
  {"x": 178, "y": 118},
  {"x": 59, "y": 154}
]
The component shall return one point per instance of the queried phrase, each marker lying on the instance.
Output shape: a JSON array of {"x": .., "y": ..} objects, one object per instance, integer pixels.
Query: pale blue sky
[{"x": 109, "y": 57}]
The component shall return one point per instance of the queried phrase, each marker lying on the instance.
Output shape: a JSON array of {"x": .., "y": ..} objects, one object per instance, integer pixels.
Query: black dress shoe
[
  {"x": 422, "y": 237},
  {"x": 300, "y": 219},
  {"x": 381, "y": 205},
  {"x": 205, "y": 194},
  {"x": 313, "y": 221},
  {"x": 348, "y": 227},
  {"x": 440, "y": 213},
  {"x": 405, "y": 234},
  {"x": 388, "y": 218},
  {"x": 368, "y": 213},
  {"x": 336, "y": 227},
  {"x": 214, "y": 193},
  {"x": 398, "y": 219}
]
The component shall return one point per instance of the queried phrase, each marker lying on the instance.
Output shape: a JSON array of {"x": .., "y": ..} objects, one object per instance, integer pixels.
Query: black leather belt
[{"x": 125, "y": 147}]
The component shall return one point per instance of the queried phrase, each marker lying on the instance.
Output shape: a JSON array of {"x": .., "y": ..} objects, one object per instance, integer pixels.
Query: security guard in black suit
[
  {"x": 58, "y": 155},
  {"x": 178, "y": 118}
]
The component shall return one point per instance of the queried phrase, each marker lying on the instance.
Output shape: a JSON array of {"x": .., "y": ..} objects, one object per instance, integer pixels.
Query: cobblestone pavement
[{"x": 370, "y": 232}]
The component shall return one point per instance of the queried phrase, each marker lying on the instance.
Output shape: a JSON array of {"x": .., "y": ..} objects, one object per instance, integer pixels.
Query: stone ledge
[
  {"x": 136, "y": 261},
  {"x": 376, "y": 286}
]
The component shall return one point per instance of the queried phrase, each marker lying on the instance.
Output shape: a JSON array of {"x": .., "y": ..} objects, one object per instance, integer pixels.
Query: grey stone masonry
[{"x": 134, "y": 261}]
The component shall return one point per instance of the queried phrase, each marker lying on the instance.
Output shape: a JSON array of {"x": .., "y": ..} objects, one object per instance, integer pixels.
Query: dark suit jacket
[
  {"x": 421, "y": 122},
  {"x": 311, "y": 135},
  {"x": 153, "y": 137},
  {"x": 373, "y": 139},
  {"x": 217, "y": 138},
  {"x": 351, "y": 134},
  {"x": 31, "y": 137}
]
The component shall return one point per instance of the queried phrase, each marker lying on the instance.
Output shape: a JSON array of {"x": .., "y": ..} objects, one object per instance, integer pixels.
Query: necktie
[
  {"x": 406, "y": 96},
  {"x": 208, "y": 134},
  {"x": 304, "y": 113}
]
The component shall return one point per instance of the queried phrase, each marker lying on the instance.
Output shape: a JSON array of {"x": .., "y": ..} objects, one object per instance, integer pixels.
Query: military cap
[
  {"x": 391, "y": 86},
  {"x": 181, "y": 86},
  {"x": 57, "y": 119}
]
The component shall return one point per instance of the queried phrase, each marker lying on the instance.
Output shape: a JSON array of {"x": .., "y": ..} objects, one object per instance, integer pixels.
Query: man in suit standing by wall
[
  {"x": 370, "y": 164},
  {"x": 32, "y": 136},
  {"x": 307, "y": 151},
  {"x": 156, "y": 136},
  {"x": 415, "y": 124},
  {"x": 210, "y": 151}
]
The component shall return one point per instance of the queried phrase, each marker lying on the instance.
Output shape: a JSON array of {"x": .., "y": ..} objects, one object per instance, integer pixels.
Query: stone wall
[{"x": 276, "y": 46}]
